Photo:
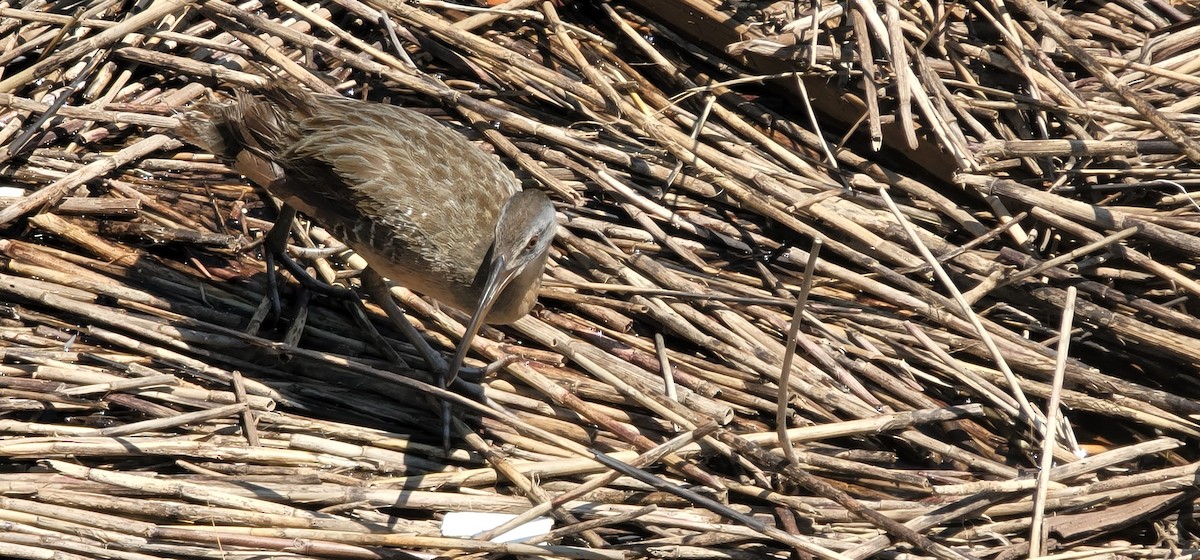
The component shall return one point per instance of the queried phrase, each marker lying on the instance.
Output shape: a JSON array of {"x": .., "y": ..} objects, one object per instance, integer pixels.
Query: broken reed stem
[
  {"x": 134, "y": 23},
  {"x": 781, "y": 413},
  {"x": 1038, "y": 532},
  {"x": 716, "y": 507},
  {"x": 1027, "y": 412},
  {"x": 675, "y": 202},
  {"x": 50, "y": 194},
  {"x": 648, "y": 458}
]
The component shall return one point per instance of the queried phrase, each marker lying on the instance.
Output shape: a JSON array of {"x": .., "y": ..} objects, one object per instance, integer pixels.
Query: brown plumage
[{"x": 418, "y": 201}]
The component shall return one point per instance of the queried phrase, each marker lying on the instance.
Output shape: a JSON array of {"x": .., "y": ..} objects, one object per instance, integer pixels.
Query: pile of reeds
[{"x": 982, "y": 203}]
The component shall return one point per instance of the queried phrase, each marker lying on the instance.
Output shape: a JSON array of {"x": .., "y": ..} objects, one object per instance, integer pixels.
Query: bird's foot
[
  {"x": 478, "y": 374},
  {"x": 305, "y": 279},
  {"x": 275, "y": 252},
  {"x": 379, "y": 291},
  {"x": 437, "y": 364}
]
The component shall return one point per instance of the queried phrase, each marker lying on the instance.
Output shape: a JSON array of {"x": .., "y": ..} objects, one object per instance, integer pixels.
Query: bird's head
[{"x": 524, "y": 231}]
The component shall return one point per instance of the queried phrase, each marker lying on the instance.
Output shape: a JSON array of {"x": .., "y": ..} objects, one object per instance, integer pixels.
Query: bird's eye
[{"x": 532, "y": 242}]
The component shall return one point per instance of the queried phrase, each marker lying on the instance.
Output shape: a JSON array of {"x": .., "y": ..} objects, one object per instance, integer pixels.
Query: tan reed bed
[{"x": 981, "y": 178}]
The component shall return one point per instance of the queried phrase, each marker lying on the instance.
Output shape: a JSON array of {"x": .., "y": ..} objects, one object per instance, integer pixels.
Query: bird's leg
[
  {"x": 360, "y": 317},
  {"x": 379, "y": 291},
  {"x": 275, "y": 250},
  {"x": 275, "y": 244},
  {"x": 382, "y": 295}
]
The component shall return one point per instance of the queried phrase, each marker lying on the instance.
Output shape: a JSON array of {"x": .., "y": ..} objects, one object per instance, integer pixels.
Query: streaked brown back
[{"x": 416, "y": 199}]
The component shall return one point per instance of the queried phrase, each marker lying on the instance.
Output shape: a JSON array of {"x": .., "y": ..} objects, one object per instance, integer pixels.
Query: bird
[{"x": 421, "y": 203}]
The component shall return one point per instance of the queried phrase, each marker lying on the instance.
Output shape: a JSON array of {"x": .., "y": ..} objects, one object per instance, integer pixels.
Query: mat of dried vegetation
[{"x": 849, "y": 280}]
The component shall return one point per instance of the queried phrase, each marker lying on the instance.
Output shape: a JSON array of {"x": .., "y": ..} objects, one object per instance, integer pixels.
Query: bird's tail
[
  {"x": 208, "y": 126},
  {"x": 262, "y": 124},
  {"x": 252, "y": 131}
]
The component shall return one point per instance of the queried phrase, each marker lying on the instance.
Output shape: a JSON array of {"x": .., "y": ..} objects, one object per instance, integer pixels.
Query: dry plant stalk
[{"x": 965, "y": 183}]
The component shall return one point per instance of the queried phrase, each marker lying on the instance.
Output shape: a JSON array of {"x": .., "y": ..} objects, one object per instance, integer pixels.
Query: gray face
[{"x": 524, "y": 231}]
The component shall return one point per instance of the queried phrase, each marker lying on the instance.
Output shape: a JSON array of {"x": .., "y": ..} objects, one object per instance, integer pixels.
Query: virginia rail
[{"x": 418, "y": 201}]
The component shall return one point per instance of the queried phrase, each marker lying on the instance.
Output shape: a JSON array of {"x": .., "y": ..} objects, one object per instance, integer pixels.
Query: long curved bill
[{"x": 498, "y": 278}]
